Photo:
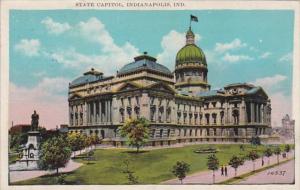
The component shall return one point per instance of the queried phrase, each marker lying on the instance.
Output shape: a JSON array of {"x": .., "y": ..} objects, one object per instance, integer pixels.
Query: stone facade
[{"x": 180, "y": 105}]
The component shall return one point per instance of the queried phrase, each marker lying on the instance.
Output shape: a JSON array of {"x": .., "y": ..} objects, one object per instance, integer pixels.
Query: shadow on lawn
[{"x": 135, "y": 152}]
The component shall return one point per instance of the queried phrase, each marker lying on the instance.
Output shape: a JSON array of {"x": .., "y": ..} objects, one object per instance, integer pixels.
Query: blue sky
[{"x": 48, "y": 49}]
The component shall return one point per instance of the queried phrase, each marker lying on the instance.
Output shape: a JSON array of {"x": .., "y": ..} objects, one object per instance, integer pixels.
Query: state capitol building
[{"x": 180, "y": 105}]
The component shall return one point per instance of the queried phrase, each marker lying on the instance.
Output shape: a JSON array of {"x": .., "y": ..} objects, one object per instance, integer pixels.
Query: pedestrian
[
  {"x": 225, "y": 171},
  {"x": 262, "y": 162},
  {"x": 222, "y": 170}
]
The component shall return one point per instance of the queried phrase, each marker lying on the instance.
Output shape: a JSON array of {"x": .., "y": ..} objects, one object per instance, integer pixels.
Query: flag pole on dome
[{"x": 193, "y": 18}]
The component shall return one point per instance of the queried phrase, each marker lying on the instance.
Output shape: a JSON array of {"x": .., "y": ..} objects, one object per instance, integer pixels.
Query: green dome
[{"x": 190, "y": 53}]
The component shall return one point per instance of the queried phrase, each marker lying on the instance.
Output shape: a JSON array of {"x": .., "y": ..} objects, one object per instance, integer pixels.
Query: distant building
[
  {"x": 287, "y": 122},
  {"x": 180, "y": 105},
  {"x": 286, "y": 132},
  {"x": 18, "y": 129}
]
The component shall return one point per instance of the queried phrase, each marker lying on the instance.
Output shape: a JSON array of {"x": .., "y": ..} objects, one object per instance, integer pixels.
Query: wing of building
[{"x": 180, "y": 105}]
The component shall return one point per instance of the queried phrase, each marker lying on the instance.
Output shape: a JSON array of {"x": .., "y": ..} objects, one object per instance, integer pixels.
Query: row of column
[{"x": 99, "y": 111}]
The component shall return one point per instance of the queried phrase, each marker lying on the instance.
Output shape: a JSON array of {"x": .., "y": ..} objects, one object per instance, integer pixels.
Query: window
[
  {"x": 161, "y": 133},
  {"x": 169, "y": 132},
  {"x": 191, "y": 132},
  {"x": 214, "y": 104}
]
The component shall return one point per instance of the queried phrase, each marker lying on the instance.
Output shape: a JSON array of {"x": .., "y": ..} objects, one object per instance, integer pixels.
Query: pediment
[
  {"x": 75, "y": 97},
  {"x": 259, "y": 92},
  {"x": 161, "y": 87},
  {"x": 128, "y": 86}
]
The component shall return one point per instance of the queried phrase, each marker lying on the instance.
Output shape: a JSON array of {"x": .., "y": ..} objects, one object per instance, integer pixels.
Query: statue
[{"x": 34, "y": 121}]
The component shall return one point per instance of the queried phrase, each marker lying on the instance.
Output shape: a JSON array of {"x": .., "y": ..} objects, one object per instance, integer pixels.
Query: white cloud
[
  {"x": 48, "y": 98},
  {"x": 260, "y": 41},
  {"x": 55, "y": 27},
  {"x": 265, "y": 55},
  {"x": 235, "y": 58},
  {"x": 287, "y": 57},
  {"x": 110, "y": 57},
  {"x": 28, "y": 47},
  {"x": 269, "y": 82},
  {"x": 171, "y": 43},
  {"x": 235, "y": 44}
]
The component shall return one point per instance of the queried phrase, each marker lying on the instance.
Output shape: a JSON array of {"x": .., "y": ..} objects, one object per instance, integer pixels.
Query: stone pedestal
[{"x": 30, "y": 153}]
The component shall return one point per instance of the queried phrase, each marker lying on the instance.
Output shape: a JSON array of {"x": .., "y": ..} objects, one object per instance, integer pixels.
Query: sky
[{"x": 49, "y": 49}]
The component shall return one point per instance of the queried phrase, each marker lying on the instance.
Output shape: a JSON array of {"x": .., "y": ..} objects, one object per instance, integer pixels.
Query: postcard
[{"x": 150, "y": 94}]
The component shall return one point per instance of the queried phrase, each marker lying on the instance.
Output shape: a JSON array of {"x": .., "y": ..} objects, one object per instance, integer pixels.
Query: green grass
[
  {"x": 237, "y": 179},
  {"x": 13, "y": 158},
  {"x": 151, "y": 167}
]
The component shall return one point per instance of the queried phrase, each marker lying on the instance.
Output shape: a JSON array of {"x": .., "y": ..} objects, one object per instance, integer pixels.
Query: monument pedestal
[{"x": 30, "y": 153}]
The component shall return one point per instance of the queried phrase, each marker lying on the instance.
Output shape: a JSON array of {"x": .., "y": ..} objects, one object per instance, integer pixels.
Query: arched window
[{"x": 169, "y": 131}]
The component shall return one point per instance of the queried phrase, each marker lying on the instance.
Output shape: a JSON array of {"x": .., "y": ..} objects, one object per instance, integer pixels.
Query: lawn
[{"x": 151, "y": 167}]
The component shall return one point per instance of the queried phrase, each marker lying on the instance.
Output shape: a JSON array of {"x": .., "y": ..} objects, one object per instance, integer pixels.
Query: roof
[
  {"x": 210, "y": 93},
  {"x": 253, "y": 90},
  {"x": 144, "y": 62},
  {"x": 88, "y": 77},
  {"x": 238, "y": 84},
  {"x": 190, "y": 53}
]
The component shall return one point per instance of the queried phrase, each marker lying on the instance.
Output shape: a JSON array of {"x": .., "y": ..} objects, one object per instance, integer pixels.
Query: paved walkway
[
  {"x": 282, "y": 174},
  {"x": 205, "y": 177},
  {"x": 16, "y": 176}
]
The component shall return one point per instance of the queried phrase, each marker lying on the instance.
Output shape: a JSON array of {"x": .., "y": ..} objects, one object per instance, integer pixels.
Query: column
[
  {"x": 257, "y": 113},
  {"x": 70, "y": 113},
  {"x": 100, "y": 111},
  {"x": 106, "y": 111},
  {"x": 87, "y": 113},
  {"x": 109, "y": 111},
  {"x": 74, "y": 119},
  {"x": 262, "y": 113},
  {"x": 252, "y": 111},
  {"x": 95, "y": 116}
]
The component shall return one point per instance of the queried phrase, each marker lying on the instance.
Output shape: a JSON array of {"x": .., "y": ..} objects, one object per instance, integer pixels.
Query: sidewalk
[
  {"x": 16, "y": 176},
  {"x": 205, "y": 177},
  {"x": 282, "y": 174}
]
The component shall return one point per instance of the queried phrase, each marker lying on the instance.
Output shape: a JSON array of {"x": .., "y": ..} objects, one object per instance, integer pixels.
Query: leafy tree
[
  {"x": 268, "y": 153},
  {"x": 95, "y": 140},
  {"x": 55, "y": 153},
  {"x": 180, "y": 169},
  {"x": 253, "y": 156},
  {"x": 130, "y": 174},
  {"x": 76, "y": 141},
  {"x": 235, "y": 162},
  {"x": 242, "y": 147},
  {"x": 213, "y": 164},
  {"x": 277, "y": 152},
  {"x": 136, "y": 131},
  {"x": 287, "y": 149}
]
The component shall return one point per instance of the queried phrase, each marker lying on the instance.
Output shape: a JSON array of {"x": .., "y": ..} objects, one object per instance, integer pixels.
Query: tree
[
  {"x": 213, "y": 164},
  {"x": 136, "y": 131},
  {"x": 180, "y": 169},
  {"x": 235, "y": 162},
  {"x": 253, "y": 156},
  {"x": 130, "y": 174},
  {"x": 95, "y": 140},
  {"x": 242, "y": 147},
  {"x": 55, "y": 153},
  {"x": 277, "y": 152},
  {"x": 268, "y": 153},
  {"x": 287, "y": 149},
  {"x": 76, "y": 141}
]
